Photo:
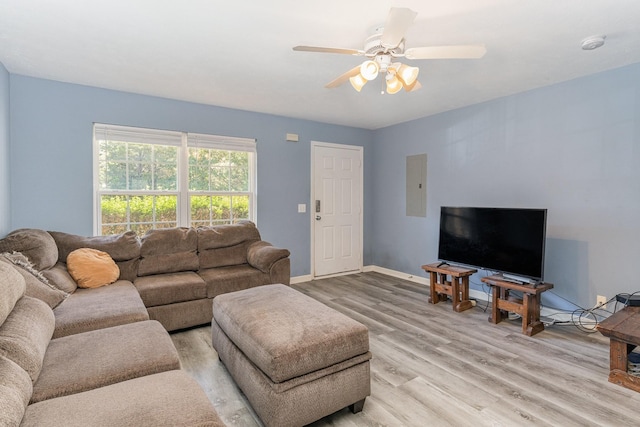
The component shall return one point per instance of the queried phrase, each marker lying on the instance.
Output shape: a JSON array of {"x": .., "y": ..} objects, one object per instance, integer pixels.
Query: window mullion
[{"x": 184, "y": 209}]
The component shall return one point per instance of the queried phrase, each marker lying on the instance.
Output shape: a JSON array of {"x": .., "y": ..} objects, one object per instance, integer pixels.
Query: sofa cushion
[
  {"x": 286, "y": 333},
  {"x": 222, "y": 236},
  {"x": 59, "y": 276},
  {"x": 262, "y": 255},
  {"x": 26, "y": 333},
  {"x": 91, "y": 309},
  {"x": 168, "y": 250},
  {"x": 15, "y": 392},
  {"x": 124, "y": 249},
  {"x": 166, "y": 399},
  {"x": 224, "y": 245},
  {"x": 170, "y": 288},
  {"x": 12, "y": 288},
  {"x": 223, "y": 257},
  {"x": 93, "y": 359},
  {"x": 182, "y": 315},
  {"x": 91, "y": 268},
  {"x": 38, "y": 245},
  {"x": 37, "y": 285},
  {"x": 233, "y": 278}
]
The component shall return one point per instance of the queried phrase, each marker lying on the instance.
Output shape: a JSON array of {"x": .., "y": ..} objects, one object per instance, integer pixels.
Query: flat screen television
[{"x": 507, "y": 240}]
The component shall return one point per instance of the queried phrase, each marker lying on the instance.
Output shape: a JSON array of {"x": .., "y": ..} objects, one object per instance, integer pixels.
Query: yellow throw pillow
[{"x": 91, "y": 268}]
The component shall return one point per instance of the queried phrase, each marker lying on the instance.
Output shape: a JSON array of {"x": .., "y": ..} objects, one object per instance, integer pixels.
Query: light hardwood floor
[{"x": 434, "y": 367}]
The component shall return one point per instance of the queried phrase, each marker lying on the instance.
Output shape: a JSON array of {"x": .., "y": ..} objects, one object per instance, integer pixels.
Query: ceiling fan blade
[
  {"x": 328, "y": 50},
  {"x": 343, "y": 78},
  {"x": 471, "y": 51},
  {"x": 397, "y": 24}
]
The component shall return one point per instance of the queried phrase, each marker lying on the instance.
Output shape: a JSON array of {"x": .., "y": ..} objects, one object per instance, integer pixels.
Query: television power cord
[{"x": 584, "y": 319}]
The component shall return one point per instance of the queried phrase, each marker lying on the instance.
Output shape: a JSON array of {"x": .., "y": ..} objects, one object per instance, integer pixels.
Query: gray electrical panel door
[{"x": 417, "y": 185}]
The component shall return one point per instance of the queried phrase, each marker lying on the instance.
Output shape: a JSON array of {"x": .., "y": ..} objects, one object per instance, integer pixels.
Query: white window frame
[
  {"x": 182, "y": 140},
  {"x": 217, "y": 142}
]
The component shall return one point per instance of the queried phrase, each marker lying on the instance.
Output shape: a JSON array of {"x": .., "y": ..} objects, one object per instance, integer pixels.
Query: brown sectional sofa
[
  {"x": 123, "y": 375},
  {"x": 169, "y": 275},
  {"x": 102, "y": 356}
]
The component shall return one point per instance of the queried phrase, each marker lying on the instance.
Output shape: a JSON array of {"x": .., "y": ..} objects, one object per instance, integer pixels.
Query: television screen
[{"x": 509, "y": 240}]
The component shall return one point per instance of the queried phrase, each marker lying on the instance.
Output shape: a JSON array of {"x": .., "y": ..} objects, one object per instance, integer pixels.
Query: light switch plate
[{"x": 302, "y": 208}]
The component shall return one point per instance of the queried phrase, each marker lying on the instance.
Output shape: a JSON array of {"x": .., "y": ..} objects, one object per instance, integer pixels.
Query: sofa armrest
[{"x": 262, "y": 255}]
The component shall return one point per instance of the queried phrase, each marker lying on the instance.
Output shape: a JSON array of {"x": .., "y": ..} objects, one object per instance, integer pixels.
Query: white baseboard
[
  {"x": 301, "y": 279},
  {"x": 309, "y": 277}
]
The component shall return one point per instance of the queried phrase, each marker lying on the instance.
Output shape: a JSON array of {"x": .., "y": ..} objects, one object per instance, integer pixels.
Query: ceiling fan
[{"x": 385, "y": 47}]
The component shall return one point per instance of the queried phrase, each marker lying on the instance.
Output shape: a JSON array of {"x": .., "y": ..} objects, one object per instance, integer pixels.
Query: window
[{"x": 146, "y": 178}]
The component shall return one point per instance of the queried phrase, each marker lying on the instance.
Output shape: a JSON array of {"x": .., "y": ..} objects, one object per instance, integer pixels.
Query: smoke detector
[{"x": 593, "y": 42}]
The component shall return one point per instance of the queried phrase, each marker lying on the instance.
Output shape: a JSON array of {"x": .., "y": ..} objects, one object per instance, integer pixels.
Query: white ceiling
[{"x": 238, "y": 54}]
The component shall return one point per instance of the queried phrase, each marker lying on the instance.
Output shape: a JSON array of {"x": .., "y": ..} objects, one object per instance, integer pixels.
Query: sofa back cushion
[
  {"x": 123, "y": 248},
  {"x": 168, "y": 250},
  {"x": 26, "y": 333},
  {"x": 37, "y": 245},
  {"x": 15, "y": 392},
  {"x": 37, "y": 285},
  {"x": 59, "y": 276},
  {"x": 225, "y": 245},
  {"x": 12, "y": 288}
]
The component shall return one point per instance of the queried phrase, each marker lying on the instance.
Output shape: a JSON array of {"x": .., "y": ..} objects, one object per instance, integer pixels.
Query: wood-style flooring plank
[{"x": 433, "y": 366}]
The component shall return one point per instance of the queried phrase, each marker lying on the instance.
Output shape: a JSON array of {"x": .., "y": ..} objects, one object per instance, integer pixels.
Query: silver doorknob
[{"x": 318, "y": 217}]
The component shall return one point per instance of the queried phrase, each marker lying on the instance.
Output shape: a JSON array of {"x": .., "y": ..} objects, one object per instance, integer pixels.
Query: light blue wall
[
  {"x": 5, "y": 210},
  {"x": 573, "y": 148},
  {"x": 51, "y": 140}
]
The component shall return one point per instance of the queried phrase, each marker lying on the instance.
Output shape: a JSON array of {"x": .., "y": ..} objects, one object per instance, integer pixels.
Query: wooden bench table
[
  {"x": 623, "y": 330},
  {"x": 528, "y": 308},
  {"x": 457, "y": 287}
]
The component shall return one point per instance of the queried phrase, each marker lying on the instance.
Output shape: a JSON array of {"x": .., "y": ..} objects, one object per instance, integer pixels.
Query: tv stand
[
  {"x": 457, "y": 287},
  {"x": 528, "y": 307}
]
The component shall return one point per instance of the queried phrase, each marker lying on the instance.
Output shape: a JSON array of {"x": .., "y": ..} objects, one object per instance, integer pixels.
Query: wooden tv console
[
  {"x": 528, "y": 307},
  {"x": 457, "y": 286}
]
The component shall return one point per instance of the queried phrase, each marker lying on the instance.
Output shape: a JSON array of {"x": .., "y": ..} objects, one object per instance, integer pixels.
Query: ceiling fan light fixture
[
  {"x": 388, "y": 44},
  {"x": 393, "y": 84},
  {"x": 357, "y": 82},
  {"x": 408, "y": 74},
  {"x": 414, "y": 86},
  {"x": 369, "y": 70}
]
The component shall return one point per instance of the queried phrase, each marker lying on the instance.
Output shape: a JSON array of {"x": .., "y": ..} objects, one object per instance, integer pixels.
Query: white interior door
[{"x": 336, "y": 208}]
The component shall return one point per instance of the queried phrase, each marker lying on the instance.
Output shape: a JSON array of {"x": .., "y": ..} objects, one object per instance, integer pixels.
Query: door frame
[{"x": 312, "y": 215}]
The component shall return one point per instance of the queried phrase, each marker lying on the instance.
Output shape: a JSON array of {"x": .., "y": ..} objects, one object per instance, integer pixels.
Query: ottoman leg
[{"x": 357, "y": 407}]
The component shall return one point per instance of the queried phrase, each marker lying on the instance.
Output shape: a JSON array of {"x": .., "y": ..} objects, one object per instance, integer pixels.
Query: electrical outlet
[{"x": 601, "y": 302}]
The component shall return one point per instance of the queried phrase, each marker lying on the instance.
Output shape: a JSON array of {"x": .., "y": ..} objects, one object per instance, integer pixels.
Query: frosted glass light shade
[
  {"x": 393, "y": 85},
  {"x": 408, "y": 74},
  {"x": 357, "y": 82},
  {"x": 415, "y": 86},
  {"x": 369, "y": 70}
]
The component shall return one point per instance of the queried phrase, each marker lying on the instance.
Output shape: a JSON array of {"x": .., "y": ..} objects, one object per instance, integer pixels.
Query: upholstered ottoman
[{"x": 295, "y": 359}]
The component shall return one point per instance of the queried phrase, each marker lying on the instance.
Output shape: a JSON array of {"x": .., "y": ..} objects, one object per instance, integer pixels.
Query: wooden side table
[
  {"x": 528, "y": 308},
  {"x": 623, "y": 330},
  {"x": 457, "y": 287}
]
